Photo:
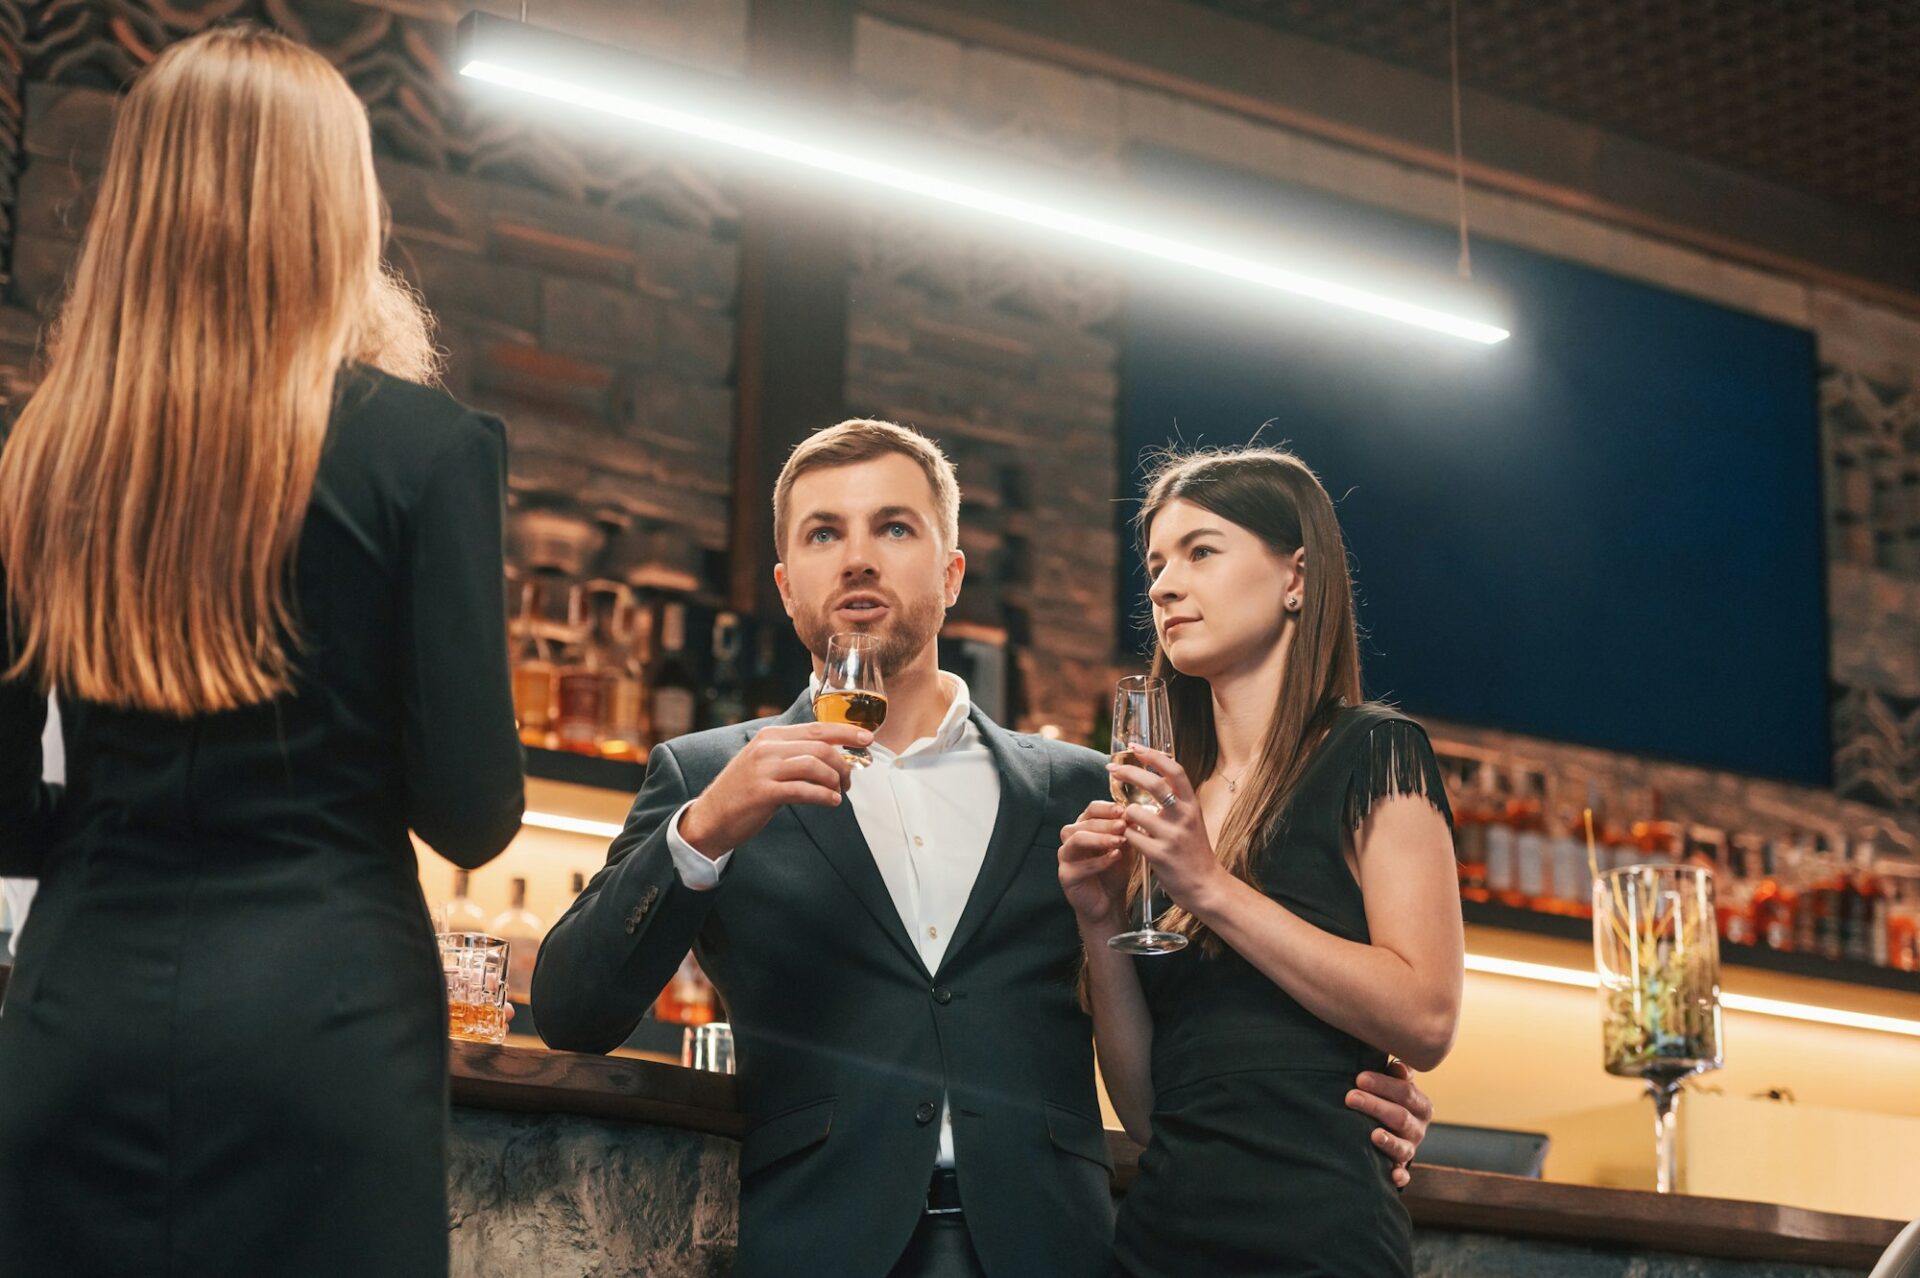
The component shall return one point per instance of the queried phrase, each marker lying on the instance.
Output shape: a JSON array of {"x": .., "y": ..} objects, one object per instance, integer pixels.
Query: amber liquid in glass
[
  {"x": 861, "y": 709},
  {"x": 476, "y": 1022},
  {"x": 1125, "y": 792}
]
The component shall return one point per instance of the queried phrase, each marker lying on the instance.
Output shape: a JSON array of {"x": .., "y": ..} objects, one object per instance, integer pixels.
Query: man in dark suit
[{"x": 891, "y": 942}]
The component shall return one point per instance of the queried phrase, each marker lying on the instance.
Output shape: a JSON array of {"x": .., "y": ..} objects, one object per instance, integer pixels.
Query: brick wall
[{"x": 584, "y": 285}]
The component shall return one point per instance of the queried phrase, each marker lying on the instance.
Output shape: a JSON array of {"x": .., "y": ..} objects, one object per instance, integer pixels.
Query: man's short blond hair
[{"x": 863, "y": 439}]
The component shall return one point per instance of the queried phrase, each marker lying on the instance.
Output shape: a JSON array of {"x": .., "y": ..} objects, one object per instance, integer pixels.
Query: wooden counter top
[{"x": 539, "y": 1081}]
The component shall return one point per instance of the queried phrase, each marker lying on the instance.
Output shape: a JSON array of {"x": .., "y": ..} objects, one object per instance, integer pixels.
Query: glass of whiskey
[{"x": 475, "y": 966}]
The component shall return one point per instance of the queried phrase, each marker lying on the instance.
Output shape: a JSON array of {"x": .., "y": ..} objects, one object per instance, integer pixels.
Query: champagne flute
[
  {"x": 1141, "y": 717},
  {"x": 851, "y": 690}
]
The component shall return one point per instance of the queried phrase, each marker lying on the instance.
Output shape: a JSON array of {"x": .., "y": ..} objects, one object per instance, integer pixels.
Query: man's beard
[{"x": 907, "y": 630}]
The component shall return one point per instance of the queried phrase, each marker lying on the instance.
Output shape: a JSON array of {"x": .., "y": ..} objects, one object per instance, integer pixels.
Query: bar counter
[
  {"x": 565, "y": 1163},
  {"x": 562, "y": 1163}
]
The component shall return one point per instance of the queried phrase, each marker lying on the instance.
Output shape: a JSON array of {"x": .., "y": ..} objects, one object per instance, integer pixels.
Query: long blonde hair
[
  {"x": 1272, "y": 494},
  {"x": 153, "y": 490}
]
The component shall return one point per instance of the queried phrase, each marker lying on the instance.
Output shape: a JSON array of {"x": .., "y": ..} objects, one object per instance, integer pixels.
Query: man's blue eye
[
  {"x": 819, "y": 534},
  {"x": 902, "y": 529}
]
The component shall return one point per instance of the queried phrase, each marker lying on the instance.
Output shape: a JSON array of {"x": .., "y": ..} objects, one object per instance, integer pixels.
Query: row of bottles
[
  {"x": 618, "y": 675},
  {"x": 688, "y": 999},
  {"x": 1522, "y": 842},
  {"x": 1807, "y": 895}
]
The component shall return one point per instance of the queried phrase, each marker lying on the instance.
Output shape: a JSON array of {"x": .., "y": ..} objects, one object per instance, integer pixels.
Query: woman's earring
[{"x": 1293, "y": 603}]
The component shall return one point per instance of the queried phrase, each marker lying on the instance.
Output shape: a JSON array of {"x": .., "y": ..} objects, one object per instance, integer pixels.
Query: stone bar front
[{"x": 570, "y": 1164}]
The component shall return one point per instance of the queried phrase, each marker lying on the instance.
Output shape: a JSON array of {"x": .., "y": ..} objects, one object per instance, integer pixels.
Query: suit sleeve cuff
[{"x": 696, "y": 870}]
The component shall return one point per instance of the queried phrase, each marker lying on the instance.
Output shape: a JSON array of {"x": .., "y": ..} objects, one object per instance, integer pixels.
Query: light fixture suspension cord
[{"x": 1459, "y": 156}]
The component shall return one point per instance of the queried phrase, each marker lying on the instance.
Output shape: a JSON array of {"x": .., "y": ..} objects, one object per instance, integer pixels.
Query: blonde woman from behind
[{"x": 257, "y": 561}]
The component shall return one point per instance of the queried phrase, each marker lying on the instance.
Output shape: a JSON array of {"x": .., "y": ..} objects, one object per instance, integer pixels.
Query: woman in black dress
[
  {"x": 1304, "y": 844},
  {"x": 261, "y": 573}
]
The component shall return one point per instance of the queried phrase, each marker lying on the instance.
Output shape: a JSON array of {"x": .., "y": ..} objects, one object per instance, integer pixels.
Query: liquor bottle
[
  {"x": 1472, "y": 815},
  {"x": 1503, "y": 861},
  {"x": 688, "y": 998},
  {"x": 459, "y": 913},
  {"x": 1806, "y": 860},
  {"x": 724, "y": 702},
  {"x": 1533, "y": 860},
  {"x": 1903, "y": 920},
  {"x": 629, "y": 726},
  {"x": 532, "y": 667},
  {"x": 1734, "y": 893},
  {"x": 580, "y": 683},
  {"x": 1829, "y": 894},
  {"x": 670, "y": 686},
  {"x": 1776, "y": 896},
  {"x": 1618, "y": 845},
  {"x": 1572, "y": 893},
  {"x": 1880, "y": 936},
  {"x": 521, "y": 929},
  {"x": 1862, "y": 905}
]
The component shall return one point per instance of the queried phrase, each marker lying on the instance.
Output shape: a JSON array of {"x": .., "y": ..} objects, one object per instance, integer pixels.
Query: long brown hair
[
  {"x": 153, "y": 490},
  {"x": 1272, "y": 494}
]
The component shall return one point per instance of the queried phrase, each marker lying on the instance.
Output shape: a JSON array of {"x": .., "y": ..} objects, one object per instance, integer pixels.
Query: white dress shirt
[{"x": 927, "y": 814}]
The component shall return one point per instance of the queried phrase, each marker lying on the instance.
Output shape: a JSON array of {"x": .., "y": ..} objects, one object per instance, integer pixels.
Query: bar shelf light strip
[
  {"x": 1732, "y": 1002},
  {"x": 826, "y": 158},
  {"x": 1540, "y": 972},
  {"x": 570, "y": 825}
]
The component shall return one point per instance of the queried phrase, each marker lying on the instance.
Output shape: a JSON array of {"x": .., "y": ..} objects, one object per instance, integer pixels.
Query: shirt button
[
  {"x": 899, "y": 763},
  {"x": 933, "y": 933},
  {"x": 942, "y": 995},
  {"x": 919, "y": 842},
  {"x": 923, "y": 1113}
]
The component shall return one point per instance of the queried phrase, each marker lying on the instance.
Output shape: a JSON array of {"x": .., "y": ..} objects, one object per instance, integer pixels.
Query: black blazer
[
  {"x": 224, "y": 1047},
  {"x": 845, "y": 1042}
]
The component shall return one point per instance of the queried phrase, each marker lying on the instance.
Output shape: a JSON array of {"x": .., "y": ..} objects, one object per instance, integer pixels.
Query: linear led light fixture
[
  {"x": 731, "y": 113},
  {"x": 1731, "y": 1002}
]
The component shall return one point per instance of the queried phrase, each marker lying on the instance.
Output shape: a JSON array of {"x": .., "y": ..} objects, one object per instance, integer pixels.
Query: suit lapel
[
  {"x": 1025, "y": 775},
  {"x": 836, "y": 833}
]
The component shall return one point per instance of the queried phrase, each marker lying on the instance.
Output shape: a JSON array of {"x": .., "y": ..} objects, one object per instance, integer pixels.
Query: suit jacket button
[
  {"x": 923, "y": 1113},
  {"x": 942, "y": 995}
]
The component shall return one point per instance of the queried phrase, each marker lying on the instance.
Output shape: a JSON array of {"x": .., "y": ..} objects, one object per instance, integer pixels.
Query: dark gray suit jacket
[{"x": 845, "y": 1042}]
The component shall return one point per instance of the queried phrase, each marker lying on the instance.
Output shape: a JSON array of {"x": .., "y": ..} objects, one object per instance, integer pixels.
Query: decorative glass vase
[{"x": 1657, "y": 953}]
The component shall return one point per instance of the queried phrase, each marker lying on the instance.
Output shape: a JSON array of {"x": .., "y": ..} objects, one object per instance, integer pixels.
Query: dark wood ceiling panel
[{"x": 1823, "y": 96}]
